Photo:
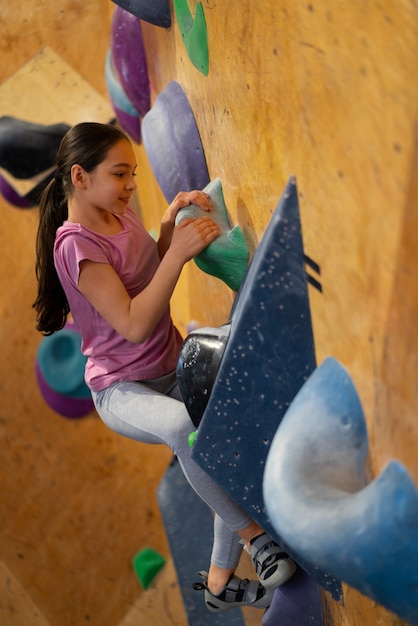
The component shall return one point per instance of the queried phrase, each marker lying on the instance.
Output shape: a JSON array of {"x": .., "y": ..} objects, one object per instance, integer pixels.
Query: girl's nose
[{"x": 131, "y": 184}]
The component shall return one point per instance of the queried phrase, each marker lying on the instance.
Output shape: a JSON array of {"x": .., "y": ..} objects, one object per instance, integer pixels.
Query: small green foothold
[
  {"x": 191, "y": 438},
  {"x": 147, "y": 563}
]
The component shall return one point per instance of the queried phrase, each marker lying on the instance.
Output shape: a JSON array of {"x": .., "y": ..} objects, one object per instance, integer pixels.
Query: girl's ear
[{"x": 78, "y": 176}]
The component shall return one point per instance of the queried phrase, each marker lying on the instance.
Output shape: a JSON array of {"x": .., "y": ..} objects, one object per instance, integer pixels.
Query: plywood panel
[
  {"x": 324, "y": 92},
  {"x": 77, "y": 501}
]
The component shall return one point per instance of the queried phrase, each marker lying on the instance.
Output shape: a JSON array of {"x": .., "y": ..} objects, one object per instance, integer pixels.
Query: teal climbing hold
[
  {"x": 227, "y": 256},
  {"x": 194, "y": 34},
  {"x": 147, "y": 563}
]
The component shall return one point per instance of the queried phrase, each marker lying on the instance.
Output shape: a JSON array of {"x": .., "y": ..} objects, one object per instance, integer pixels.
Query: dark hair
[{"x": 86, "y": 144}]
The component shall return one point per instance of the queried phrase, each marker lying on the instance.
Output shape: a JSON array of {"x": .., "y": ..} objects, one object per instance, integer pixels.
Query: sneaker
[
  {"x": 237, "y": 592},
  {"x": 273, "y": 566}
]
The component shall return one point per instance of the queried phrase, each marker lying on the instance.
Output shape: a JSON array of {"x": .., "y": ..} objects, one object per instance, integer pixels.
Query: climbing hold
[
  {"x": 269, "y": 355},
  {"x": 76, "y": 404},
  {"x": 197, "y": 367},
  {"x": 147, "y": 563},
  {"x": 62, "y": 362},
  {"x": 319, "y": 500},
  {"x": 28, "y": 149},
  {"x": 227, "y": 256},
  {"x": 156, "y": 12},
  {"x": 194, "y": 34},
  {"x": 191, "y": 438},
  {"x": 11, "y": 195},
  {"x": 129, "y": 60},
  {"x": 297, "y": 603},
  {"x": 193, "y": 325},
  {"x": 60, "y": 373},
  {"x": 125, "y": 112},
  {"x": 172, "y": 142}
]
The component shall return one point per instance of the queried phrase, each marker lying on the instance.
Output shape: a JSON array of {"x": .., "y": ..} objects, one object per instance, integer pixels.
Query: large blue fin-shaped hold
[
  {"x": 268, "y": 357},
  {"x": 172, "y": 142},
  {"x": 318, "y": 498},
  {"x": 156, "y": 12},
  {"x": 227, "y": 256}
]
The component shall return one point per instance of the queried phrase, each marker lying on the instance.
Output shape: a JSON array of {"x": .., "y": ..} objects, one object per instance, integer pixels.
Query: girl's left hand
[{"x": 183, "y": 199}]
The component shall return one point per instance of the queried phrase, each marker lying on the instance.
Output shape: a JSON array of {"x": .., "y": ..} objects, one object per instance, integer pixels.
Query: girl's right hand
[{"x": 192, "y": 236}]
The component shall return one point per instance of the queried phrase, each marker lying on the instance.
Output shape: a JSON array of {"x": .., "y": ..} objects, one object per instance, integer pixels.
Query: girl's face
[{"x": 112, "y": 183}]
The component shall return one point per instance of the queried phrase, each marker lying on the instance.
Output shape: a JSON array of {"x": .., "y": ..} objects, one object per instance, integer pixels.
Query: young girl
[{"x": 95, "y": 259}]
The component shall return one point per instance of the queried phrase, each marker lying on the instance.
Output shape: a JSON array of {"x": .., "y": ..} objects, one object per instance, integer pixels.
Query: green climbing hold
[
  {"x": 193, "y": 32},
  {"x": 227, "y": 256},
  {"x": 191, "y": 438},
  {"x": 147, "y": 563}
]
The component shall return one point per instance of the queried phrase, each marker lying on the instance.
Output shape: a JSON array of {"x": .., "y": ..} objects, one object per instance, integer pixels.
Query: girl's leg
[
  {"x": 138, "y": 412},
  {"x": 226, "y": 553}
]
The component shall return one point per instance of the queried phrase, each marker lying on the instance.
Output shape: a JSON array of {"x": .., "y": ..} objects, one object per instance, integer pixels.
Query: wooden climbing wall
[{"x": 322, "y": 91}]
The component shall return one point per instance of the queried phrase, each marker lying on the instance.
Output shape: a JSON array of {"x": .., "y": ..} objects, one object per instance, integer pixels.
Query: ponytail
[
  {"x": 87, "y": 144},
  {"x": 51, "y": 304}
]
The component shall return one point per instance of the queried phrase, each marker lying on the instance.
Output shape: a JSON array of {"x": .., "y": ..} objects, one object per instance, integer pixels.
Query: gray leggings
[{"x": 152, "y": 412}]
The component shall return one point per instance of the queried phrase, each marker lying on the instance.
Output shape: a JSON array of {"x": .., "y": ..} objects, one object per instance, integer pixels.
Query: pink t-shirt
[{"x": 133, "y": 254}]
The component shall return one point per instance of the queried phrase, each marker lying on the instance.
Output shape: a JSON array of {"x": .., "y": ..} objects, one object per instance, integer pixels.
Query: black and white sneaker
[
  {"x": 237, "y": 592},
  {"x": 272, "y": 564}
]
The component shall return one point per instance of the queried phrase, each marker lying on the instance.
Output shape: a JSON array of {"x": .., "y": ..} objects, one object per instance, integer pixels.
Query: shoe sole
[
  {"x": 219, "y": 606},
  {"x": 281, "y": 572}
]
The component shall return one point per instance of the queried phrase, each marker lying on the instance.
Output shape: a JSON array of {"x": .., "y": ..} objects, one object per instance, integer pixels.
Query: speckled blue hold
[
  {"x": 319, "y": 500},
  {"x": 269, "y": 355}
]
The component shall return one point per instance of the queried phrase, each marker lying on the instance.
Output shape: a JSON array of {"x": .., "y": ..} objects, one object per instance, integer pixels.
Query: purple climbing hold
[
  {"x": 298, "y": 602},
  {"x": 125, "y": 112},
  {"x": 12, "y": 196},
  {"x": 129, "y": 59},
  {"x": 172, "y": 143}
]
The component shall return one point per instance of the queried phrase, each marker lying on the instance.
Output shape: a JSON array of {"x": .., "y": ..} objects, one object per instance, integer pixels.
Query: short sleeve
[{"x": 70, "y": 249}]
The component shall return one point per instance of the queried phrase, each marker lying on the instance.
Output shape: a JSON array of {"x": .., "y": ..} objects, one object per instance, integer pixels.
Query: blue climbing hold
[{"x": 319, "y": 500}]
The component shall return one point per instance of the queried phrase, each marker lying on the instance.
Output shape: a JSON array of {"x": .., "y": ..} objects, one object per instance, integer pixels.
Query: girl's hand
[
  {"x": 192, "y": 236},
  {"x": 183, "y": 199}
]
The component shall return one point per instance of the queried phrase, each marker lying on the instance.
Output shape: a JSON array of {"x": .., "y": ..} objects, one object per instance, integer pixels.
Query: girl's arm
[
  {"x": 182, "y": 199},
  {"x": 135, "y": 318}
]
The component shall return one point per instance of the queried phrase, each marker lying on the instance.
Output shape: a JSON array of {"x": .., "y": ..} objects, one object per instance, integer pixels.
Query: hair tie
[{"x": 57, "y": 176}]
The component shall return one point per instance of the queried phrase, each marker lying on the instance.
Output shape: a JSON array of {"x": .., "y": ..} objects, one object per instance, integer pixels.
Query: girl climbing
[{"x": 96, "y": 260}]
